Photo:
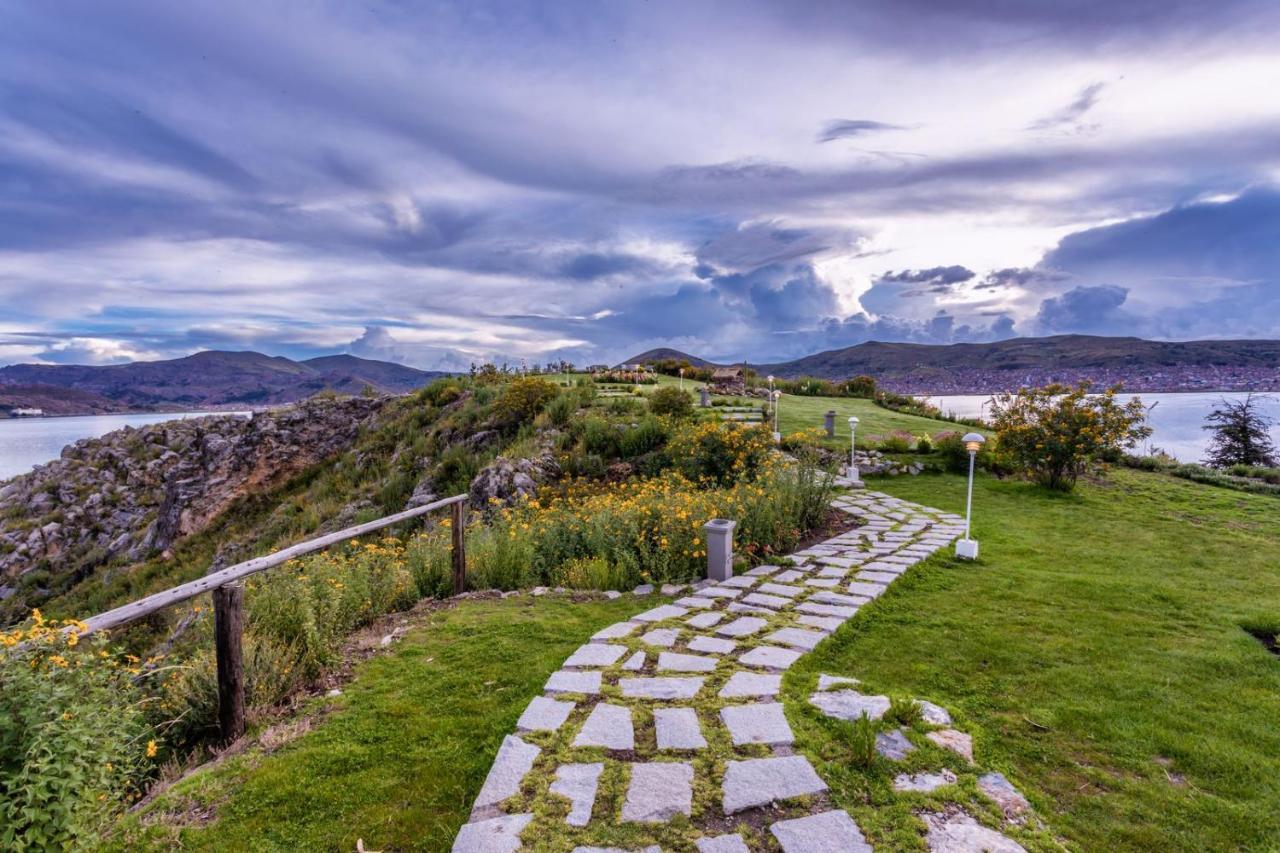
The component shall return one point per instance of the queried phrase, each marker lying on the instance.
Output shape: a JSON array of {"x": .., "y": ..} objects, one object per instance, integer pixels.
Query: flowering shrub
[
  {"x": 718, "y": 454},
  {"x": 74, "y": 746},
  {"x": 1054, "y": 432}
]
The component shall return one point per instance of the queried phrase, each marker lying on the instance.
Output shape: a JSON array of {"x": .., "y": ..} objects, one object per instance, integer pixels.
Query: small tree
[
  {"x": 670, "y": 400},
  {"x": 1054, "y": 432},
  {"x": 1241, "y": 435}
]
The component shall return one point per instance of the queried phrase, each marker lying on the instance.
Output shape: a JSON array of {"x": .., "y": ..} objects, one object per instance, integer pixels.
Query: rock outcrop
[
  {"x": 508, "y": 480},
  {"x": 134, "y": 492}
]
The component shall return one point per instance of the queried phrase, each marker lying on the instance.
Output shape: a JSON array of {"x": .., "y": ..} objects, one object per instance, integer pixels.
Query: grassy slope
[
  {"x": 1099, "y": 635},
  {"x": 400, "y": 764}
]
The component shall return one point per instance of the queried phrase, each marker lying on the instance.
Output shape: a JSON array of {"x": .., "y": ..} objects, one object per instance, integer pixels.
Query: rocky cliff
[{"x": 134, "y": 492}]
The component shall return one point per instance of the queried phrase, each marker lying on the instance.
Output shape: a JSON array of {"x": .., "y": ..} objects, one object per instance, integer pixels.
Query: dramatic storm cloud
[{"x": 438, "y": 184}]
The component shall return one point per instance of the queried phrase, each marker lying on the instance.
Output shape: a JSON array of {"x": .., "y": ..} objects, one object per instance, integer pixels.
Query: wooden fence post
[
  {"x": 228, "y": 627},
  {"x": 459, "y": 525}
]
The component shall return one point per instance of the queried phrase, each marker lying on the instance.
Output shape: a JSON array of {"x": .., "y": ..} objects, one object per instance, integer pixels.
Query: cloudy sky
[{"x": 440, "y": 182}]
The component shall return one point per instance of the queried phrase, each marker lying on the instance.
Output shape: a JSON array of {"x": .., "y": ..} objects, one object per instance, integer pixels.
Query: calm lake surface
[
  {"x": 27, "y": 442},
  {"x": 1177, "y": 419}
]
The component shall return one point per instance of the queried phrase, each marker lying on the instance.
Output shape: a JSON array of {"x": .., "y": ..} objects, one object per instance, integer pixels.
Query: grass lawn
[
  {"x": 1096, "y": 653},
  {"x": 401, "y": 761}
]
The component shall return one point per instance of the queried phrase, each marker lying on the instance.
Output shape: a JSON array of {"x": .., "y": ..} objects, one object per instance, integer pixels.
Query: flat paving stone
[
  {"x": 634, "y": 663},
  {"x": 495, "y": 835},
  {"x": 837, "y": 599},
  {"x": 657, "y": 614},
  {"x": 833, "y": 573},
  {"x": 760, "y": 781},
  {"x": 676, "y": 662},
  {"x": 869, "y": 590},
  {"x": 720, "y": 592},
  {"x": 741, "y": 581},
  {"x": 789, "y": 576},
  {"x": 894, "y": 745},
  {"x": 1007, "y": 797},
  {"x": 705, "y": 620},
  {"x": 825, "y": 623},
  {"x": 828, "y": 832},
  {"x": 770, "y": 657},
  {"x": 816, "y": 609},
  {"x": 960, "y": 833},
  {"x": 616, "y": 631},
  {"x": 658, "y": 792},
  {"x": 722, "y": 844},
  {"x": 934, "y": 715},
  {"x": 827, "y": 682},
  {"x": 761, "y": 571},
  {"x": 712, "y": 645},
  {"x": 758, "y": 723},
  {"x": 678, "y": 728},
  {"x": 514, "y": 760},
  {"x": 596, "y": 654},
  {"x": 744, "y": 626},
  {"x": 797, "y": 638},
  {"x": 958, "y": 742},
  {"x": 823, "y": 583},
  {"x": 660, "y": 688},
  {"x": 608, "y": 726},
  {"x": 923, "y": 783},
  {"x": 774, "y": 602},
  {"x": 578, "y": 783},
  {"x": 747, "y": 684},
  {"x": 877, "y": 577},
  {"x": 739, "y": 608},
  {"x": 780, "y": 589},
  {"x": 573, "y": 681},
  {"x": 849, "y": 704},
  {"x": 694, "y": 603},
  {"x": 664, "y": 637},
  {"x": 544, "y": 715}
]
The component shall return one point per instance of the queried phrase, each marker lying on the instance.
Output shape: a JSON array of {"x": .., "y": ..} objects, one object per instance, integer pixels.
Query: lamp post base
[{"x": 967, "y": 549}]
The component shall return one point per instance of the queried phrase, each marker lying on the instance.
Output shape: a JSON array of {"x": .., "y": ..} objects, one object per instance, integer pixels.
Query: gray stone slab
[
  {"x": 664, "y": 637},
  {"x": 634, "y": 663},
  {"x": 894, "y": 745},
  {"x": 544, "y": 715},
  {"x": 775, "y": 602},
  {"x": 849, "y": 704},
  {"x": 780, "y": 589},
  {"x": 1007, "y": 797},
  {"x": 797, "y": 638},
  {"x": 770, "y": 657},
  {"x": 741, "y": 609},
  {"x": 934, "y": 715},
  {"x": 741, "y": 581},
  {"x": 578, "y": 783},
  {"x": 837, "y": 599},
  {"x": 816, "y": 609},
  {"x": 825, "y": 623},
  {"x": 608, "y": 726},
  {"x": 742, "y": 627},
  {"x": 923, "y": 783},
  {"x": 833, "y": 573},
  {"x": 747, "y": 684},
  {"x": 658, "y": 792},
  {"x": 757, "y": 723},
  {"x": 573, "y": 681},
  {"x": 596, "y": 654},
  {"x": 660, "y": 688},
  {"x": 722, "y": 844},
  {"x": 877, "y": 577},
  {"x": 665, "y": 611},
  {"x": 956, "y": 741},
  {"x": 705, "y": 620},
  {"x": 760, "y": 781},
  {"x": 678, "y": 728},
  {"x": 720, "y": 592},
  {"x": 867, "y": 590},
  {"x": 761, "y": 571},
  {"x": 823, "y": 583},
  {"x": 712, "y": 645},
  {"x": 676, "y": 662},
  {"x": 827, "y": 682},
  {"x": 615, "y": 631},
  {"x": 514, "y": 759},
  {"x": 495, "y": 835},
  {"x": 828, "y": 832},
  {"x": 694, "y": 603},
  {"x": 960, "y": 833},
  {"x": 789, "y": 576}
]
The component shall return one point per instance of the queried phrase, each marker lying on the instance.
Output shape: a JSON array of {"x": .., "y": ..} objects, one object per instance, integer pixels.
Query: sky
[{"x": 438, "y": 183}]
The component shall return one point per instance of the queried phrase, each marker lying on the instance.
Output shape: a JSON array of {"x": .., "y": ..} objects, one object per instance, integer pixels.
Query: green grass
[
  {"x": 1097, "y": 655},
  {"x": 401, "y": 761}
]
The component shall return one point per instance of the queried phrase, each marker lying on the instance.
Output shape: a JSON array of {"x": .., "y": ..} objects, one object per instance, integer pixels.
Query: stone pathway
[{"x": 668, "y": 727}]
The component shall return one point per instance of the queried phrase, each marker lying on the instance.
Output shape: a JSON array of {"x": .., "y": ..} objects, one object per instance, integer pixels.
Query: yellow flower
[{"x": 151, "y": 749}]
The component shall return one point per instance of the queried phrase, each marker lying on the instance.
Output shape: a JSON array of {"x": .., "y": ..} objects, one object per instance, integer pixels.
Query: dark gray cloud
[
  {"x": 1071, "y": 117},
  {"x": 844, "y": 128},
  {"x": 934, "y": 275},
  {"x": 1094, "y": 310}
]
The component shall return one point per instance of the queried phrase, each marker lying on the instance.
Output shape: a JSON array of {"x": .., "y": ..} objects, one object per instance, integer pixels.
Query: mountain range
[
  {"x": 211, "y": 379},
  {"x": 1141, "y": 365}
]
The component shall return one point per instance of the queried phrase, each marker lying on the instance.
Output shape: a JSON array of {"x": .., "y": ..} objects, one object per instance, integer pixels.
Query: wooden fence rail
[{"x": 228, "y": 600}]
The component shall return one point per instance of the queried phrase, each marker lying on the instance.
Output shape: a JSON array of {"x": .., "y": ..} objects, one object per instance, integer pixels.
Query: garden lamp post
[
  {"x": 682, "y": 379},
  {"x": 853, "y": 450},
  {"x": 967, "y": 548},
  {"x": 777, "y": 396}
]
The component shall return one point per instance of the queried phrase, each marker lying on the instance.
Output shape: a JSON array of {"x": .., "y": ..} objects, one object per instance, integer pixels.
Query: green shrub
[
  {"x": 720, "y": 454},
  {"x": 523, "y": 398},
  {"x": 600, "y": 437},
  {"x": 442, "y": 392},
  {"x": 903, "y": 710},
  {"x": 670, "y": 400},
  {"x": 862, "y": 743},
  {"x": 561, "y": 409},
  {"x": 591, "y": 573},
  {"x": 456, "y": 469},
  {"x": 924, "y": 444},
  {"x": 646, "y": 436},
  {"x": 895, "y": 443}
]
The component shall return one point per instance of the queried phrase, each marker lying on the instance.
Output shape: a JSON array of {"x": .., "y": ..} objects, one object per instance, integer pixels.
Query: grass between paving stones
[
  {"x": 1096, "y": 655},
  {"x": 401, "y": 760}
]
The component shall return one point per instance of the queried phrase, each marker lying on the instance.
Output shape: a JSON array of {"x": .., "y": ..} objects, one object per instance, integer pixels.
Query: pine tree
[{"x": 1241, "y": 435}]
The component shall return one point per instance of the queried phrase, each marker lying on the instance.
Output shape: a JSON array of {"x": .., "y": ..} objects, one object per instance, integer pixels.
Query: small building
[
  {"x": 728, "y": 380},
  {"x": 27, "y": 413}
]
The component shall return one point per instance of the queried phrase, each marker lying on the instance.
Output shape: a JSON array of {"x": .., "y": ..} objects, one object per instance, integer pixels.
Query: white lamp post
[
  {"x": 967, "y": 547},
  {"x": 682, "y": 379},
  {"x": 853, "y": 451},
  {"x": 777, "y": 436}
]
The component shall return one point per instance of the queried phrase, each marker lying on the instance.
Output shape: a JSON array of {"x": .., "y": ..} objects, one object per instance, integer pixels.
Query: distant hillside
[
  {"x": 665, "y": 354},
  {"x": 1141, "y": 365},
  {"x": 204, "y": 380}
]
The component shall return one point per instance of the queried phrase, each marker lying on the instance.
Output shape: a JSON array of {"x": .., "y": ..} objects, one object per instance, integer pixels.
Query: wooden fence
[{"x": 228, "y": 600}]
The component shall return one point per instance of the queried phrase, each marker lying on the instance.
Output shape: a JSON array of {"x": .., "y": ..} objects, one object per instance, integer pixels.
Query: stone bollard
[
  {"x": 706, "y": 397},
  {"x": 829, "y": 423},
  {"x": 719, "y": 548}
]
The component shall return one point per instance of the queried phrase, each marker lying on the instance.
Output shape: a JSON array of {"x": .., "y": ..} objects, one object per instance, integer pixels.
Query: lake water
[
  {"x": 1177, "y": 420},
  {"x": 27, "y": 442}
]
